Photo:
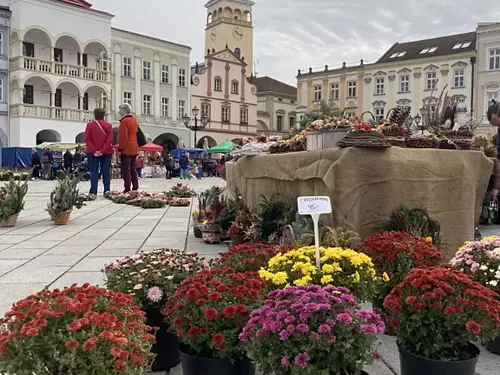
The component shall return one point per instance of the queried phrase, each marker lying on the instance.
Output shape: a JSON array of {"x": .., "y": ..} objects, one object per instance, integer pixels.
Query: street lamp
[
  {"x": 417, "y": 119},
  {"x": 199, "y": 123}
]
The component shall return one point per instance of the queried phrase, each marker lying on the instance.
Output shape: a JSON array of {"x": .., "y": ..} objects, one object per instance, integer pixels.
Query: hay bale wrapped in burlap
[{"x": 365, "y": 185}]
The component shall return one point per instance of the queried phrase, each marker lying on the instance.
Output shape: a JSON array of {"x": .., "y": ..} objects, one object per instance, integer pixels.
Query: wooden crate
[{"x": 324, "y": 139}]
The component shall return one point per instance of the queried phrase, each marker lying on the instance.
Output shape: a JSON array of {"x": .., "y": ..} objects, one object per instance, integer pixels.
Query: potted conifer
[
  {"x": 63, "y": 199},
  {"x": 12, "y": 202}
]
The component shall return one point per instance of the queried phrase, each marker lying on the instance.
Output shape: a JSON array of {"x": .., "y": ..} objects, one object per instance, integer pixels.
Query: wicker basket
[
  {"x": 211, "y": 237},
  {"x": 422, "y": 142},
  {"x": 364, "y": 140},
  {"x": 10, "y": 222},
  {"x": 61, "y": 218},
  {"x": 396, "y": 141},
  {"x": 197, "y": 231}
]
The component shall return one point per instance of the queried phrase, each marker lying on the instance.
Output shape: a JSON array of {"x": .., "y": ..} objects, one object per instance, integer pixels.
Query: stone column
[
  {"x": 325, "y": 95},
  {"x": 367, "y": 92},
  {"x": 138, "y": 82},
  {"x": 391, "y": 100},
  {"x": 157, "y": 80},
  {"x": 416, "y": 90},
  {"x": 343, "y": 92},
  {"x": 175, "y": 101},
  {"x": 361, "y": 92},
  {"x": 117, "y": 98}
]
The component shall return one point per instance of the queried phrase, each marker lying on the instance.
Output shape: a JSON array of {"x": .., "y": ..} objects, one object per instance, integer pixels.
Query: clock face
[
  {"x": 238, "y": 33},
  {"x": 213, "y": 34}
]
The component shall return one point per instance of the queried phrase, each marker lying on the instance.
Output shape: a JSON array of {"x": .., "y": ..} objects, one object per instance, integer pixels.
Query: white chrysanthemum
[{"x": 155, "y": 294}]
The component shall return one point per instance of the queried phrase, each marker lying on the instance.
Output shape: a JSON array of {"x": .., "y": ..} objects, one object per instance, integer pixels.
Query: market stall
[{"x": 365, "y": 185}]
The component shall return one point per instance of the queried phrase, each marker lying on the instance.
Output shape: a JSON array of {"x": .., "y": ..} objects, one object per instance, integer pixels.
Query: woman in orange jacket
[{"x": 128, "y": 147}]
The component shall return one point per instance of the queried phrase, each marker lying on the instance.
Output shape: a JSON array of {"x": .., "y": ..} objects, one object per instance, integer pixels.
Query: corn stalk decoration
[{"x": 433, "y": 119}]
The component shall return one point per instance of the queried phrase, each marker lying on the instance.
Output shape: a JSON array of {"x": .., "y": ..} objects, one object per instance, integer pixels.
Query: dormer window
[
  {"x": 428, "y": 50},
  {"x": 462, "y": 45},
  {"x": 397, "y": 54}
]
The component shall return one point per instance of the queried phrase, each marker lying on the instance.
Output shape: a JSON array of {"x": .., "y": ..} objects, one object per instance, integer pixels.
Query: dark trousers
[
  {"x": 36, "y": 172},
  {"x": 169, "y": 173},
  {"x": 104, "y": 163},
  {"x": 129, "y": 172}
]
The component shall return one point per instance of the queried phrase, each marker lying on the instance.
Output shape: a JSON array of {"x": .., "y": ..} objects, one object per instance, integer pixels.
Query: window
[
  {"x": 82, "y": 59},
  {"x": 102, "y": 62},
  {"x": 164, "y": 73},
  {"x": 1, "y": 89},
  {"x": 243, "y": 116},
  {"x": 495, "y": 59},
  {"x": 127, "y": 66},
  {"x": 58, "y": 98},
  {"x": 1, "y": 44},
  {"x": 428, "y": 50},
  {"x": 234, "y": 87},
  {"x": 146, "y": 104},
  {"x": 350, "y": 114},
  {"x": 431, "y": 80},
  {"x": 164, "y": 107},
  {"x": 225, "y": 114},
  {"x": 182, "y": 77},
  {"x": 102, "y": 102},
  {"x": 379, "y": 86},
  {"x": 58, "y": 55},
  {"x": 146, "y": 70},
  {"x": 205, "y": 109},
  {"x": 334, "y": 91},
  {"x": 317, "y": 93},
  {"x": 291, "y": 122},
  {"x": 237, "y": 52},
  {"x": 379, "y": 114},
  {"x": 217, "y": 84},
  {"x": 492, "y": 95},
  {"x": 404, "y": 83},
  {"x": 28, "y": 49},
  {"x": 182, "y": 105},
  {"x": 127, "y": 97},
  {"x": 86, "y": 101},
  {"x": 397, "y": 54},
  {"x": 459, "y": 77},
  {"x": 351, "y": 89},
  {"x": 28, "y": 95},
  {"x": 279, "y": 122},
  {"x": 462, "y": 45}
]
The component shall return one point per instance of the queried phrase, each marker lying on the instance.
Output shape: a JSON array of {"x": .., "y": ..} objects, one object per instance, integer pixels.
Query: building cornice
[{"x": 145, "y": 41}]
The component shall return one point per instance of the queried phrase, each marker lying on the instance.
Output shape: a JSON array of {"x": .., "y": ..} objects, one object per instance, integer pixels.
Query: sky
[{"x": 298, "y": 34}]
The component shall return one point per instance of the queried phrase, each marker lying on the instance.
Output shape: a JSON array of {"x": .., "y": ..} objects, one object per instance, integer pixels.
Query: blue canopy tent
[
  {"x": 16, "y": 157},
  {"x": 193, "y": 152}
]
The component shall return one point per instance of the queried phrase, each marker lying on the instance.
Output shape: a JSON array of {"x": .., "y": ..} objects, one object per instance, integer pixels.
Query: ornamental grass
[{"x": 340, "y": 267}]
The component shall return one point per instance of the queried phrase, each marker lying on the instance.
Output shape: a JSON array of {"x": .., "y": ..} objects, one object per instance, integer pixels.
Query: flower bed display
[
  {"x": 253, "y": 146},
  {"x": 339, "y": 267},
  {"x": 295, "y": 144},
  {"x": 146, "y": 200},
  {"x": 180, "y": 191},
  {"x": 327, "y": 132},
  {"x": 66, "y": 331},
  {"x": 437, "y": 313},
  {"x": 151, "y": 278},
  {"x": 330, "y": 123},
  {"x": 246, "y": 257},
  {"x": 313, "y": 330},
  {"x": 208, "y": 312}
]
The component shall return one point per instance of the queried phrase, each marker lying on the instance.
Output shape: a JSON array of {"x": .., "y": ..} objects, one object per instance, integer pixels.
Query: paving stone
[
  {"x": 54, "y": 261},
  {"x": 29, "y": 275},
  {"x": 32, "y": 243},
  {"x": 11, "y": 293},
  {"x": 64, "y": 249},
  {"x": 144, "y": 223},
  {"x": 121, "y": 244},
  {"x": 83, "y": 239},
  {"x": 53, "y": 235},
  {"x": 92, "y": 264},
  {"x": 118, "y": 253},
  {"x": 70, "y": 278},
  {"x": 13, "y": 239},
  {"x": 20, "y": 253},
  {"x": 7, "y": 265}
]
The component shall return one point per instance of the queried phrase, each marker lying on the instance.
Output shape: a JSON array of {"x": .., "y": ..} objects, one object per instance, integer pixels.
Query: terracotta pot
[
  {"x": 10, "y": 222},
  {"x": 61, "y": 218}
]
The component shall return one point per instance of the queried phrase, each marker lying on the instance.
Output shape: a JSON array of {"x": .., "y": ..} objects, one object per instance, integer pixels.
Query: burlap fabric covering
[{"x": 365, "y": 185}]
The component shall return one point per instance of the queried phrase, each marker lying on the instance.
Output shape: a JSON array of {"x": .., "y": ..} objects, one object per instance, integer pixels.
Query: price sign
[{"x": 315, "y": 206}]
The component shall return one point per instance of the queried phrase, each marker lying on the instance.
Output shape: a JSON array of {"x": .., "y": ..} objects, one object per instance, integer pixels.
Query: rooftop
[
  {"x": 346, "y": 67},
  {"x": 268, "y": 84},
  {"x": 248, "y": 2},
  {"x": 150, "y": 37},
  {"x": 83, "y": 5},
  {"x": 441, "y": 46}
]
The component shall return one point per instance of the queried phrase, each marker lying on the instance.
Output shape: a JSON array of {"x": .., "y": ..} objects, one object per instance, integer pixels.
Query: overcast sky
[{"x": 293, "y": 34}]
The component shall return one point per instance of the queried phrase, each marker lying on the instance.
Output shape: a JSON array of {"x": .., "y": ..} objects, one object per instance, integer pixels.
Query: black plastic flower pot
[
  {"x": 493, "y": 346},
  {"x": 194, "y": 365},
  {"x": 412, "y": 364},
  {"x": 166, "y": 347}
]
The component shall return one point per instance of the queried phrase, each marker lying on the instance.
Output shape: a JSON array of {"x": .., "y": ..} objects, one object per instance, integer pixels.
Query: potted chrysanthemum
[
  {"x": 438, "y": 313},
  {"x": 151, "y": 278},
  {"x": 77, "y": 330},
  {"x": 481, "y": 260},
  {"x": 246, "y": 257},
  {"x": 394, "y": 254},
  {"x": 339, "y": 267},
  {"x": 208, "y": 312},
  {"x": 312, "y": 330}
]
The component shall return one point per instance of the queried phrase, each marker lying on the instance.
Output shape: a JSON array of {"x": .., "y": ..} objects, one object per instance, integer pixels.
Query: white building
[
  {"x": 152, "y": 75},
  {"x": 59, "y": 69},
  {"x": 4, "y": 76}
]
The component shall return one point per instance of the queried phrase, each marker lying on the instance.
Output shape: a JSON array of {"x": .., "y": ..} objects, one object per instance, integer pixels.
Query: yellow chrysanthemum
[
  {"x": 327, "y": 268},
  {"x": 428, "y": 239},
  {"x": 385, "y": 277},
  {"x": 303, "y": 281},
  {"x": 356, "y": 277},
  {"x": 280, "y": 278},
  {"x": 327, "y": 279}
]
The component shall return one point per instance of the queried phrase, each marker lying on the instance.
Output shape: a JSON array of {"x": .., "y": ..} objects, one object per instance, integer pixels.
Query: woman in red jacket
[{"x": 99, "y": 142}]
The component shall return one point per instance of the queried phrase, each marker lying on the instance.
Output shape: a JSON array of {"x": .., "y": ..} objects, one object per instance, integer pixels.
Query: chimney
[
  {"x": 361, "y": 63},
  {"x": 344, "y": 65},
  {"x": 326, "y": 68},
  {"x": 310, "y": 70}
]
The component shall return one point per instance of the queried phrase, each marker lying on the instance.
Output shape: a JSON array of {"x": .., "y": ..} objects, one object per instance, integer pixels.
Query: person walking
[
  {"x": 99, "y": 148},
  {"x": 140, "y": 165},
  {"x": 184, "y": 164},
  {"x": 36, "y": 164},
  {"x": 169, "y": 164},
  {"x": 68, "y": 161},
  {"x": 47, "y": 160},
  {"x": 128, "y": 147}
]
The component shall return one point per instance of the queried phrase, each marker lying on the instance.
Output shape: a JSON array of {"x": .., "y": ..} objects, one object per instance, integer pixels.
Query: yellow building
[
  {"x": 341, "y": 87},
  {"x": 229, "y": 25},
  {"x": 415, "y": 73}
]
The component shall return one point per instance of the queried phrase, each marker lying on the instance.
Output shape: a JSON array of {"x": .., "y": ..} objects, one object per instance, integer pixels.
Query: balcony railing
[
  {"x": 74, "y": 71},
  {"x": 50, "y": 113}
]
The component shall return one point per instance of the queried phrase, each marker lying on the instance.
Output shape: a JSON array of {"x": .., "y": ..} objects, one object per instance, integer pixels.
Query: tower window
[
  {"x": 210, "y": 18},
  {"x": 237, "y": 52}
]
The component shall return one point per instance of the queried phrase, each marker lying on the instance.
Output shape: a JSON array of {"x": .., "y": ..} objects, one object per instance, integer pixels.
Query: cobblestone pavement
[{"x": 37, "y": 254}]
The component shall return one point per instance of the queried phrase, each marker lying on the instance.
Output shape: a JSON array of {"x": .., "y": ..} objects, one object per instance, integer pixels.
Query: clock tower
[{"x": 229, "y": 23}]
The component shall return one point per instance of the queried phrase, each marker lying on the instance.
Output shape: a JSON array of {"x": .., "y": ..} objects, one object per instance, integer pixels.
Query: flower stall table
[{"x": 365, "y": 185}]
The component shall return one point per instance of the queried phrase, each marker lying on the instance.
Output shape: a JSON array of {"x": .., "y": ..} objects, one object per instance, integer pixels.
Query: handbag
[{"x": 141, "y": 138}]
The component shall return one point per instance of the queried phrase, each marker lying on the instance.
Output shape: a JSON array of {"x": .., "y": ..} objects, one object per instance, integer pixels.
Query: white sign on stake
[{"x": 315, "y": 206}]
